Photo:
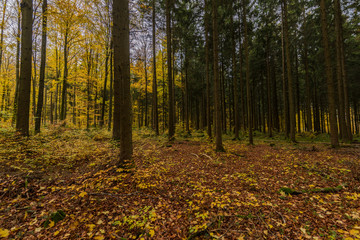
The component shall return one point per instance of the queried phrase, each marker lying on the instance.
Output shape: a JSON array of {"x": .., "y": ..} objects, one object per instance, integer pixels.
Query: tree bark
[
  {"x": 217, "y": 87},
  {"x": 17, "y": 62},
  {"x": 247, "y": 63},
  {"x": 292, "y": 114},
  {"x": 155, "y": 113},
  {"x": 23, "y": 110},
  {"x": 122, "y": 107},
  {"x": 344, "y": 110},
  {"x": 307, "y": 78},
  {"x": 65, "y": 75},
  {"x": 42, "y": 69},
  {"x": 170, "y": 81},
  {"x": 207, "y": 63},
  {"x": 329, "y": 78}
]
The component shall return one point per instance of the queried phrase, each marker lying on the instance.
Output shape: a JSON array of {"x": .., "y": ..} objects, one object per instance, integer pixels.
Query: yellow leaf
[
  {"x": 83, "y": 194},
  {"x": 51, "y": 224},
  {"x": 91, "y": 227},
  {"x": 354, "y": 232},
  {"x": 4, "y": 233},
  {"x": 99, "y": 222},
  {"x": 151, "y": 232},
  {"x": 56, "y": 233},
  {"x": 99, "y": 237}
]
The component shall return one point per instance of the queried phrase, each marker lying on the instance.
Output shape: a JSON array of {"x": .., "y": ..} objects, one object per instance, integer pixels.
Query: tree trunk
[
  {"x": 235, "y": 81},
  {"x": 111, "y": 86},
  {"x": 307, "y": 79},
  {"x": 207, "y": 63},
  {"x": 268, "y": 81},
  {"x": 170, "y": 81},
  {"x": 329, "y": 77},
  {"x": 217, "y": 87},
  {"x": 104, "y": 96},
  {"x": 23, "y": 110},
  {"x": 345, "y": 122},
  {"x": 42, "y": 69},
  {"x": 292, "y": 114},
  {"x": 65, "y": 75},
  {"x": 247, "y": 63},
  {"x": 122, "y": 107},
  {"x": 155, "y": 113},
  {"x": 17, "y": 62}
]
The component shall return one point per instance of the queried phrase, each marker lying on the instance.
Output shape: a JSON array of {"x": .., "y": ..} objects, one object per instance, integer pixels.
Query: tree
[
  {"x": 344, "y": 109},
  {"x": 42, "y": 69},
  {"x": 23, "y": 109},
  {"x": 122, "y": 96},
  {"x": 289, "y": 75},
  {"x": 155, "y": 114},
  {"x": 247, "y": 63},
  {"x": 207, "y": 66},
  {"x": 170, "y": 74},
  {"x": 217, "y": 88},
  {"x": 329, "y": 77}
]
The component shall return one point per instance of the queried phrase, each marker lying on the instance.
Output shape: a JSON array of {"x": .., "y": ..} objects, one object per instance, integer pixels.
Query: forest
[{"x": 179, "y": 119}]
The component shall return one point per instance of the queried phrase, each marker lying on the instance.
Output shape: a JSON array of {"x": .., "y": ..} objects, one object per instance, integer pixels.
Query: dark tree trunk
[
  {"x": 292, "y": 114},
  {"x": 42, "y": 69},
  {"x": 111, "y": 86},
  {"x": 329, "y": 77},
  {"x": 155, "y": 114},
  {"x": 207, "y": 63},
  {"x": 23, "y": 110},
  {"x": 170, "y": 80},
  {"x": 104, "y": 96},
  {"x": 17, "y": 63},
  {"x": 122, "y": 107},
  {"x": 65, "y": 75},
  {"x": 217, "y": 87},
  {"x": 247, "y": 62}
]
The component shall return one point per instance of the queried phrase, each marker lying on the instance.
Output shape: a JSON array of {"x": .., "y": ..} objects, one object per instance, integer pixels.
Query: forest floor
[{"x": 63, "y": 184}]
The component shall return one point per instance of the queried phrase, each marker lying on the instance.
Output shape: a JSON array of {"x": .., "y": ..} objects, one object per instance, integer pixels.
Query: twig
[
  {"x": 207, "y": 156},
  {"x": 195, "y": 155}
]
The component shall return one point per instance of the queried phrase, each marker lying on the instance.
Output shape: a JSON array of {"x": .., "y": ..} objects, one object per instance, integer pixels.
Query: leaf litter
[{"x": 64, "y": 185}]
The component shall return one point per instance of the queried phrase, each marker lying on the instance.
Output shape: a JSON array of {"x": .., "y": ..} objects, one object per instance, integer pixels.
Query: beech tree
[
  {"x": 122, "y": 97},
  {"x": 23, "y": 108}
]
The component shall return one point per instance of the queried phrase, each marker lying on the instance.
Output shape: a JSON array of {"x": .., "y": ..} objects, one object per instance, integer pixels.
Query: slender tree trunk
[
  {"x": 207, "y": 63},
  {"x": 23, "y": 110},
  {"x": 307, "y": 78},
  {"x": 155, "y": 91},
  {"x": 42, "y": 69},
  {"x": 186, "y": 95},
  {"x": 88, "y": 86},
  {"x": 297, "y": 83},
  {"x": 289, "y": 75},
  {"x": 111, "y": 72},
  {"x": 146, "y": 87},
  {"x": 104, "y": 96},
  {"x": 170, "y": 81},
  {"x": 341, "y": 75},
  {"x": 235, "y": 80},
  {"x": 217, "y": 87},
  {"x": 268, "y": 81},
  {"x": 329, "y": 77},
  {"x": 122, "y": 107},
  {"x": 248, "y": 90},
  {"x": 284, "y": 80},
  {"x": 64, "y": 87},
  {"x": 2, "y": 27},
  {"x": 17, "y": 62}
]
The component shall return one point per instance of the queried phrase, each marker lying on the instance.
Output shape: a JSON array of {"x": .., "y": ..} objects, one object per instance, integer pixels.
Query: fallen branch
[{"x": 207, "y": 156}]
